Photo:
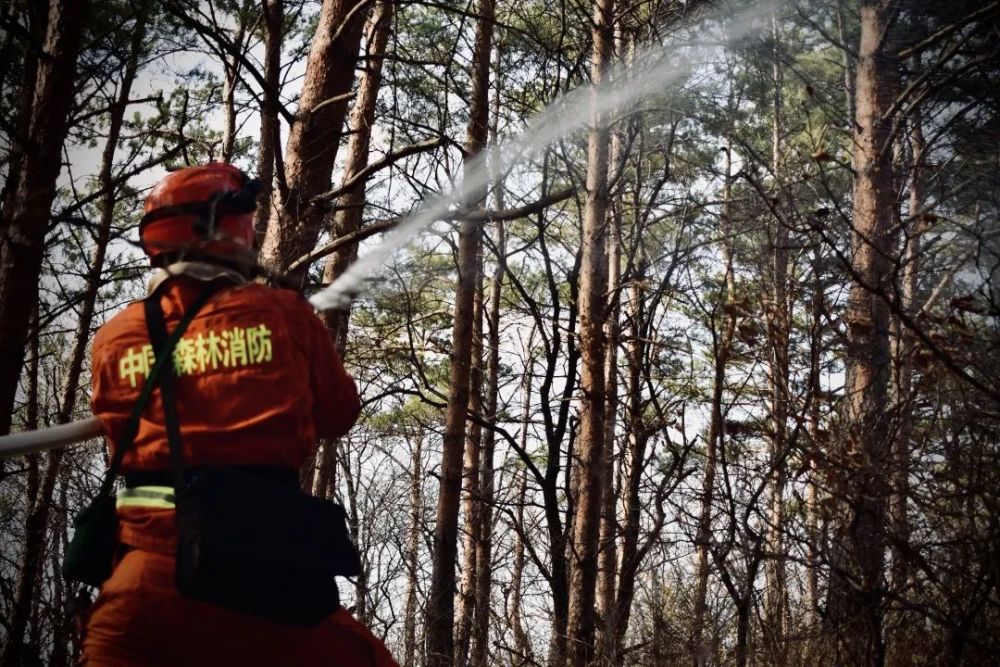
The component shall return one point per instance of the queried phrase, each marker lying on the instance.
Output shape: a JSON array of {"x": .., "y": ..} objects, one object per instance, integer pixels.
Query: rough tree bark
[
  {"x": 580, "y": 625},
  {"x": 856, "y": 581},
  {"x": 608, "y": 561},
  {"x": 25, "y": 214},
  {"x": 440, "y": 608},
  {"x": 295, "y": 224},
  {"x": 270, "y": 127},
  {"x": 348, "y": 218},
  {"x": 466, "y": 598}
]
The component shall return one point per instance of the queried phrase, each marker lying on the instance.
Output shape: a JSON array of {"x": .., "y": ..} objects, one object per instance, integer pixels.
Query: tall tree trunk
[
  {"x": 633, "y": 468},
  {"x": 36, "y": 12},
  {"x": 484, "y": 534},
  {"x": 295, "y": 224},
  {"x": 413, "y": 554},
  {"x": 814, "y": 536},
  {"x": 522, "y": 645},
  {"x": 608, "y": 561},
  {"x": 26, "y": 212},
  {"x": 270, "y": 127},
  {"x": 722, "y": 344},
  {"x": 31, "y": 410},
  {"x": 231, "y": 74},
  {"x": 479, "y": 653},
  {"x": 593, "y": 301},
  {"x": 348, "y": 218},
  {"x": 466, "y": 597},
  {"x": 361, "y": 609},
  {"x": 440, "y": 608},
  {"x": 776, "y": 605},
  {"x": 856, "y": 580},
  {"x": 901, "y": 636}
]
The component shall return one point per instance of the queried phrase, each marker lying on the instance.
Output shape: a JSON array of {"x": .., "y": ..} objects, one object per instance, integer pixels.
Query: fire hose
[{"x": 54, "y": 437}]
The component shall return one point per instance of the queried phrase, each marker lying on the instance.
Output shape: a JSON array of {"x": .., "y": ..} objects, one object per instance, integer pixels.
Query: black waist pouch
[
  {"x": 90, "y": 554},
  {"x": 260, "y": 547}
]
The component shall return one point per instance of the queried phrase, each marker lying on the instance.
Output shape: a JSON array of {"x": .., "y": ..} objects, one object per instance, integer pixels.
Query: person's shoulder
[
  {"x": 347, "y": 623},
  {"x": 127, "y": 320},
  {"x": 125, "y": 329},
  {"x": 288, "y": 301}
]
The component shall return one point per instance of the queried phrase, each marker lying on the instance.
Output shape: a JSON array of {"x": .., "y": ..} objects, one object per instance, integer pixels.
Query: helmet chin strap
[{"x": 204, "y": 225}]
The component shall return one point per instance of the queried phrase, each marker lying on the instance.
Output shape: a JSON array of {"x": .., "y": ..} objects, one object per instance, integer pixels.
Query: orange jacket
[{"x": 258, "y": 381}]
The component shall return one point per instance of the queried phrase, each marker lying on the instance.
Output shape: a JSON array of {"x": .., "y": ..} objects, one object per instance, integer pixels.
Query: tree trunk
[
  {"x": 479, "y": 655},
  {"x": 776, "y": 605},
  {"x": 484, "y": 544},
  {"x": 270, "y": 127},
  {"x": 361, "y": 610},
  {"x": 856, "y": 580},
  {"x": 901, "y": 635},
  {"x": 814, "y": 546},
  {"x": 27, "y": 211},
  {"x": 37, "y": 18},
  {"x": 633, "y": 467},
  {"x": 593, "y": 301},
  {"x": 440, "y": 608},
  {"x": 466, "y": 598},
  {"x": 231, "y": 73},
  {"x": 413, "y": 554},
  {"x": 722, "y": 343},
  {"x": 295, "y": 224},
  {"x": 522, "y": 645},
  {"x": 348, "y": 219},
  {"x": 608, "y": 561}
]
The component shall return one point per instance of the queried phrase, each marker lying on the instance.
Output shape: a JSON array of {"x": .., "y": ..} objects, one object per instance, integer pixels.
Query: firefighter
[{"x": 257, "y": 382}]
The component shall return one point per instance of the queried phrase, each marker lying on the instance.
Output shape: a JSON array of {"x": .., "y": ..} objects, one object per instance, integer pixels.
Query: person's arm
[
  {"x": 336, "y": 405},
  {"x": 104, "y": 399}
]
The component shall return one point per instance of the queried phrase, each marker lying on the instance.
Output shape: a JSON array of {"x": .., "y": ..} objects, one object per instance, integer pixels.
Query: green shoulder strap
[{"x": 132, "y": 428}]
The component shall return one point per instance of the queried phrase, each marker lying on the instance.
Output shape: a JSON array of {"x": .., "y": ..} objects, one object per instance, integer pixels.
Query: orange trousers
[{"x": 140, "y": 619}]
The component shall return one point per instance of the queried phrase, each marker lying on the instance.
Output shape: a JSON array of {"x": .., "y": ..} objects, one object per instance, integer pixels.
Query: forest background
[{"x": 713, "y": 381}]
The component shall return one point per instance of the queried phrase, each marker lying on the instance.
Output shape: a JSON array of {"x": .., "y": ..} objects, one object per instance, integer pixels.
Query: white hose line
[{"x": 53, "y": 437}]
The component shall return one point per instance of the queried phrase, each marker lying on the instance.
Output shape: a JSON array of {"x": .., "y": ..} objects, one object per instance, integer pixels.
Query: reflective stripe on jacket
[{"x": 156, "y": 497}]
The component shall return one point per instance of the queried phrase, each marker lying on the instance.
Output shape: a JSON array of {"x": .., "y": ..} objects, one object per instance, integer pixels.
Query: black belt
[{"x": 277, "y": 474}]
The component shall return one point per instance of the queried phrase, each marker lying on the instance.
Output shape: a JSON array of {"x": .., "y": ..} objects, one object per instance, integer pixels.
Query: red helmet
[{"x": 207, "y": 209}]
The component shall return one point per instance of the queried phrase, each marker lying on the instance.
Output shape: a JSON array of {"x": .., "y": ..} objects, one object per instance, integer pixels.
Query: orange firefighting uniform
[{"x": 258, "y": 382}]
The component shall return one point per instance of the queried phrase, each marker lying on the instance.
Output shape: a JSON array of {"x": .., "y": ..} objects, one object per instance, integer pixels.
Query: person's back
[{"x": 257, "y": 382}]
